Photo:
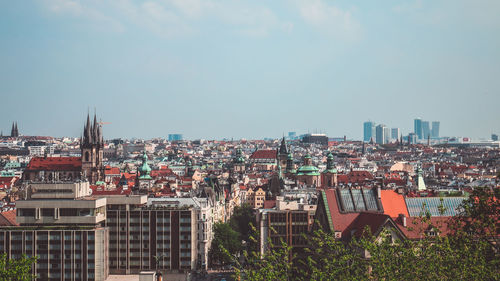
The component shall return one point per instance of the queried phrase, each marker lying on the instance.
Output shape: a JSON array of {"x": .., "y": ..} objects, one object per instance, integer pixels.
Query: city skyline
[{"x": 249, "y": 69}]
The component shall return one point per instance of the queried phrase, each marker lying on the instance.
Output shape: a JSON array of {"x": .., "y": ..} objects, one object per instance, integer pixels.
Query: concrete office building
[
  {"x": 62, "y": 224},
  {"x": 138, "y": 233}
]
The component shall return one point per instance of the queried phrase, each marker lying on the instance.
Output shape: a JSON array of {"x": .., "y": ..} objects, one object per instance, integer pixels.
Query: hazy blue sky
[{"x": 215, "y": 69}]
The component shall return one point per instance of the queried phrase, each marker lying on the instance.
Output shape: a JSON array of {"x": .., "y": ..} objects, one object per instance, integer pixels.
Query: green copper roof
[
  {"x": 144, "y": 169},
  {"x": 330, "y": 156},
  {"x": 308, "y": 156},
  {"x": 308, "y": 170},
  {"x": 332, "y": 171}
]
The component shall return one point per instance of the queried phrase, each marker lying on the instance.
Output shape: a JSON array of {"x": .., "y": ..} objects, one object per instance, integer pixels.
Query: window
[{"x": 46, "y": 212}]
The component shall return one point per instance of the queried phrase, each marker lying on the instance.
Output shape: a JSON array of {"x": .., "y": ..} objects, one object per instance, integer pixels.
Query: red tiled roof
[
  {"x": 340, "y": 221},
  {"x": 8, "y": 218},
  {"x": 393, "y": 203},
  {"x": 372, "y": 220},
  {"x": 415, "y": 229},
  {"x": 264, "y": 154},
  {"x": 112, "y": 171},
  {"x": 55, "y": 164}
]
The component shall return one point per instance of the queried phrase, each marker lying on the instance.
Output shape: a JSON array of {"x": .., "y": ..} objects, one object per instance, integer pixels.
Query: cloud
[
  {"x": 75, "y": 9},
  {"x": 174, "y": 17},
  {"x": 328, "y": 18}
]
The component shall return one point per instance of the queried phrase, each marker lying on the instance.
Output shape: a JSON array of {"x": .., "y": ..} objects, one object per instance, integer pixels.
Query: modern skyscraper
[
  {"x": 387, "y": 135},
  {"x": 395, "y": 133},
  {"x": 426, "y": 131},
  {"x": 417, "y": 128},
  {"x": 174, "y": 137},
  {"x": 368, "y": 131},
  {"x": 435, "y": 129},
  {"x": 494, "y": 137},
  {"x": 380, "y": 134}
]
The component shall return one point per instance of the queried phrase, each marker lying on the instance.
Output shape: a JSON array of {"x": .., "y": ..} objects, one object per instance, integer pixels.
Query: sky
[{"x": 249, "y": 69}]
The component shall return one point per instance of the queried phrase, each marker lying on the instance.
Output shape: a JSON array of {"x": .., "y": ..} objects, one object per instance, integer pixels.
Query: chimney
[
  {"x": 402, "y": 217},
  {"x": 379, "y": 193}
]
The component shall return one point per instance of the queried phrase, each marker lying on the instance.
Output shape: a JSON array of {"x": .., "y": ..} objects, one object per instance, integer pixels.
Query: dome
[
  {"x": 308, "y": 170},
  {"x": 144, "y": 169}
]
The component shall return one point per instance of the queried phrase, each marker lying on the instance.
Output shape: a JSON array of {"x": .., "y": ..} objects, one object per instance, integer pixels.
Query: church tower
[
  {"x": 92, "y": 146},
  {"x": 282, "y": 154}
]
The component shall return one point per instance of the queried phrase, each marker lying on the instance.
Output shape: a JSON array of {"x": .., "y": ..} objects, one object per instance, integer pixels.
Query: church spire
[{"x": 283, "y": 149}]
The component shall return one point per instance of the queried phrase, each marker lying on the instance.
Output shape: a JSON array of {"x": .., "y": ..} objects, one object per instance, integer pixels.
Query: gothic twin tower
[{"x": 92, "y": 146}]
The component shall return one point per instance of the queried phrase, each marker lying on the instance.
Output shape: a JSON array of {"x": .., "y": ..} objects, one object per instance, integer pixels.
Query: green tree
[
  {"x": 16, "y": 269},
  {"x": 242, "y": 219},
  {"x": 225, "y": 245},
  {"x": 466, "y": 253}
]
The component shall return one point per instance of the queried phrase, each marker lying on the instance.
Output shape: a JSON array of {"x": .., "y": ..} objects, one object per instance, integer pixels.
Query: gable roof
[
  {"x": 394, "y": 203},
  {"x": 8, "y": 218},
  {"x": 264, "y": 154},
  {"x": 55, "y": 164}
]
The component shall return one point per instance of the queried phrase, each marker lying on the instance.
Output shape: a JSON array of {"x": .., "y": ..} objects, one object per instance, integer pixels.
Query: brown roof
[
  {"x": 55, "y": 164},
  {"x": 264, "y": 154},
  {"x": 8, "y": 218}
]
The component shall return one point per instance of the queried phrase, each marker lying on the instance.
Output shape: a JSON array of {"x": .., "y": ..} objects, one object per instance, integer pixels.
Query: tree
[
  {"x": 466, "y": 253},
  {"x": 242, "y": 219},
  {"x": 16, "y": 269},
  {"x": 225, "y": 245}
]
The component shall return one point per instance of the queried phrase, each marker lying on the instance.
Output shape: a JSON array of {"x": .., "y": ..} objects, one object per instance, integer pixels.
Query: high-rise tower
[
  {"x": 417, "y": 128},
  {"x": 368, "y": 131}
]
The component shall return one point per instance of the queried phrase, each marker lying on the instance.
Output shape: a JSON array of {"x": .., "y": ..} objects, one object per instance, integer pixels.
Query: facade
[
  {"x": 62, "y": 224},
  {"x": 395, "y": 133},
  {"x": 426, "y": 131},
  {"x": 138, "y": 234},
  {"x": 435, "y": 129},
  {"x": 387, "y": 135},
  {"x": 64, "y": 254},
  {"x": 255, "y": 197},
  {"x": 417, "y": 128},
  {"x": 368, "y": 131},
  {"x": 380, "y": 137},
  {"x": 174, "y": 137},
  {"x": 283, "y": 225},
  {"x": 321, "y": 139}
]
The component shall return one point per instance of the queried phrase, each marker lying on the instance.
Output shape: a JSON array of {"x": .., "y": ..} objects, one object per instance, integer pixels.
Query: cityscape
[{"x": 286, "y": 140}]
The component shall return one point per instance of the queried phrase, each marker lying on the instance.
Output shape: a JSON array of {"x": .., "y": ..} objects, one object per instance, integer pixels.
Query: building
[
  {"x": 417, "y": 128},
  {"x": 174, "y": 137},
  {"x": 380, "y": 137},
  {"x": 39, "y": 151},
  {"x": 308, "y": 173},
  {"x": 92, "y": 147},
  {"x": 321, "y": 139},
  {"x": 387, "y": 135},
  {"x": 395, "y": 133},
  {"x": 368, "y": 131},
  {"x": 426, "y": 131},
  {"x": 494, "y": 137},
  {"x": 62, "y": 224},
  {"x": 14, "y": 132},
  {"x": 435, "y": 130},
  {"x": 138, "y": 233},
  {"x": 288, "y": 226}
]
